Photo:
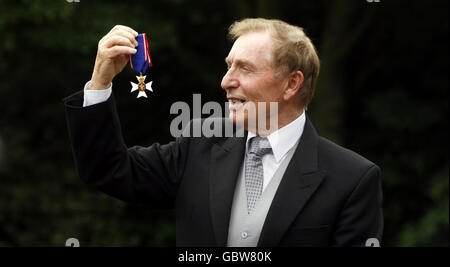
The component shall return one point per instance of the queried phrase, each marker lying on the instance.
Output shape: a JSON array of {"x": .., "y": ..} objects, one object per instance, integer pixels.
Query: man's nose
[{"x": 229, "y": 81}]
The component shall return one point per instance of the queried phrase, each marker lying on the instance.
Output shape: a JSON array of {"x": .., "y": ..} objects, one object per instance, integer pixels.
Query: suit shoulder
[
  {"x": 335, "y": 155},
  {"x": 345, "y": 168}
]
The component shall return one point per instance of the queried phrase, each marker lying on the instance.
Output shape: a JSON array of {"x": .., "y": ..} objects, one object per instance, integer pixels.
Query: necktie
[{"x": 254, "y": 172}]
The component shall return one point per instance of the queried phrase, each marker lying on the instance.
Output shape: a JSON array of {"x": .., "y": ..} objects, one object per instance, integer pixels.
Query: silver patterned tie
[{"x": 254, "y": 172}]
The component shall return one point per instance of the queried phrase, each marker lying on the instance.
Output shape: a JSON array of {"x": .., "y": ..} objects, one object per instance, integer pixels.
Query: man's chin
[
  {"x": 242, "y": 121},
  {"x": 238, "y": 120}
]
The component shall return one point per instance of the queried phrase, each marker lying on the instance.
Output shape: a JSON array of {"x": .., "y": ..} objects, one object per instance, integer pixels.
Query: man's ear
[{"x": 294, "y": 82}]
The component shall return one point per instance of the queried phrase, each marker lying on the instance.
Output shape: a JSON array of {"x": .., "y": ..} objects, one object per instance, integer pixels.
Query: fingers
[
  {"x": 114, "y": 46},
  {"x": 127, "y": 35},
  {"x": 124, "y": 28},
  {"x": 121, "y": 40},
  {"x": 117, "y": 40},
  {"x": 119, "y": 50},
  {"x": 120, "y": 30},
  {"x": 112, "y": 37},
  {"x": 124, "y": 31},
  {"x": 124, "y": 34}
]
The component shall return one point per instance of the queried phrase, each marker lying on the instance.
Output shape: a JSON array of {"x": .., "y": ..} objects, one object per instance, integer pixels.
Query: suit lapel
[
  {"x": 300, "y": 180},
  {"x": 226, "y": 160}
]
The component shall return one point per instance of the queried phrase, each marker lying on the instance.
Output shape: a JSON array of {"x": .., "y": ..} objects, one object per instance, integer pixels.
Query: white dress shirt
[
  {"x": 92, "y": 97},
  {"x": 281, "y": 140}
]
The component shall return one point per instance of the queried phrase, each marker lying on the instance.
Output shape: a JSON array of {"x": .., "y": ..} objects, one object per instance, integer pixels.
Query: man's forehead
[
  {"x": 250, "y": 47},
  {"x": 241, "y": 61}
]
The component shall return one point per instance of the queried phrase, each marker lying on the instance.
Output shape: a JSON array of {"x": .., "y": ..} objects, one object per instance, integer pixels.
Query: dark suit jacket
[{"x": 329, "y": 196}]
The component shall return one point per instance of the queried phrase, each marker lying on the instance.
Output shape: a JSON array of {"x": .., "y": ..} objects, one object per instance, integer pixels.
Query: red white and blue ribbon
[{"x": 141, "y": 60}]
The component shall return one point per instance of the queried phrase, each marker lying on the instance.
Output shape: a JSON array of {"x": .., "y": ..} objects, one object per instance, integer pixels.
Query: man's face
[{"x": 251, "y": 78}]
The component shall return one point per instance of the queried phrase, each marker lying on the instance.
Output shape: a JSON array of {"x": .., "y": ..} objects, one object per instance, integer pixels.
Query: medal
[
  {"x": 140, "y": 62},
  {"x": 142, "y": 86}
]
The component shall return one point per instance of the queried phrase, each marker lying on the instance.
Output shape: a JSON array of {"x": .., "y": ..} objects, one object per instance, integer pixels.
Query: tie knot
[{"x": 259, "y": 146}]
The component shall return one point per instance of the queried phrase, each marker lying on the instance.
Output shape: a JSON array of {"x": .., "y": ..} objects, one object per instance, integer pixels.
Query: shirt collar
[{"x": 283, "y": 139}]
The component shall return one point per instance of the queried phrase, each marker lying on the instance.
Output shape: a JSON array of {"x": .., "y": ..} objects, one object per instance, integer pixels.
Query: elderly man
[{"x": 285, "y": 186}]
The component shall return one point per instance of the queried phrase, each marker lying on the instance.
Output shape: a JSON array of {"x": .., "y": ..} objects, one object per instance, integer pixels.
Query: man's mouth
[
  {"x": 235, "y": 99},
  {"x": 235, "y": 103}
]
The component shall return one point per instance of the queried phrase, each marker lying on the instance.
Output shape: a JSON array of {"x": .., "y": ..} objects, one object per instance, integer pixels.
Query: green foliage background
[{"x": 383, "y": 92}]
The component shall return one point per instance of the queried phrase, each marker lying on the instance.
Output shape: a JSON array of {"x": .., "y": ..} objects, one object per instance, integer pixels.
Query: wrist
[{"x": 99, "y": 85}]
